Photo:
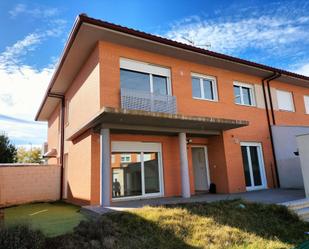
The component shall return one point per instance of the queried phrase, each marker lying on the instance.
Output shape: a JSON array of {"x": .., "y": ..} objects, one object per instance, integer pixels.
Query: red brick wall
[{"x": 257, "y": 131}]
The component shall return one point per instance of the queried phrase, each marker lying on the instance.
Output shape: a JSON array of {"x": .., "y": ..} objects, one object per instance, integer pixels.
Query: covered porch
[{"x": 151, "y": 153}]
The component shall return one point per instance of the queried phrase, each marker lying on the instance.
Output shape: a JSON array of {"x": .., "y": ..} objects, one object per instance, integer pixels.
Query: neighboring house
[{"x": 145, "y": 116}]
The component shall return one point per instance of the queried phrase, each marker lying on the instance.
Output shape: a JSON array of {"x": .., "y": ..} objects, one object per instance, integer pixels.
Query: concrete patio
[{"x": 269, "y": 196}]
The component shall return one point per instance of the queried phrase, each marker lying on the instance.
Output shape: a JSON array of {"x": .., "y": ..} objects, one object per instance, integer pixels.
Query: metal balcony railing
[{"x": 146, "y": 101}]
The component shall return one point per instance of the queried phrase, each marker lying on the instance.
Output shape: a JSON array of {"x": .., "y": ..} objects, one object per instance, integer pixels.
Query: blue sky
[{"x": 33, "y": 34}]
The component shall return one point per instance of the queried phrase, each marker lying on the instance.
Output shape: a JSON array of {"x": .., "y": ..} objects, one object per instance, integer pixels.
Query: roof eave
[
  {"x": 85, "y": 19},
  {"x": 77, "y": 24}
]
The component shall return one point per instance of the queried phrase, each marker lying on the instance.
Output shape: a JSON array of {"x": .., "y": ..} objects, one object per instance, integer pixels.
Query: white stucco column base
[
  {"x": 185, "y": 181},
  {"x": 105, "y": 167}
]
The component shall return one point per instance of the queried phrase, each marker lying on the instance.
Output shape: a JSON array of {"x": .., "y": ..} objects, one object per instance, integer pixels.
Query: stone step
[
  {"x": 297, "y": 205},
  {"x": 303, "y": 213}
]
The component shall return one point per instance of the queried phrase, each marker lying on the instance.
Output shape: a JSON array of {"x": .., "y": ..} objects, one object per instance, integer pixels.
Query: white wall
[
  {"x": 285, "y": 144},
  {"x": 303, "y": 146}
]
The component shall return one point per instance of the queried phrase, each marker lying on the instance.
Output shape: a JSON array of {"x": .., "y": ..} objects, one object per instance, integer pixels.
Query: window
[
  {"x": 134, "y": 80},
  {"x": 144, "y": 77},
  {"x": 253, "y": 163},
  {"x": 285, "y": 101},
  {"x": 125, "y": 158},
  {"x": 142, "y": 176},
  {"x": 244, "y": 94},
  {"x": 204, "y": 87},
  {"x": 306, "y": 99}
]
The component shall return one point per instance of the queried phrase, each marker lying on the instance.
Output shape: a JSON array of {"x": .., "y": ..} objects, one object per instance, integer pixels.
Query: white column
[
  {"x": 105, "y": 167},
  {"x": 185, "y": 181}
]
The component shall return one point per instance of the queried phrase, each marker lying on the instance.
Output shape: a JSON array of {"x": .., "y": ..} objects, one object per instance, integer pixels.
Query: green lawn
[
  {"x": 51, "y": 218},
  {"x": 226, "y": 224}
]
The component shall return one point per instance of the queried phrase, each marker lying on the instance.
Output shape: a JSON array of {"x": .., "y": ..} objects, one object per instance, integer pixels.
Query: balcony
[{"x": 146, "y": 101}]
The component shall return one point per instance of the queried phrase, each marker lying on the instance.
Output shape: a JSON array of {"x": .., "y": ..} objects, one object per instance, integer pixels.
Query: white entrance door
[
  {"x": 200, "y": 168},
  {"x": 253, "y": 163},
  {"x": 136, "y": 170}
]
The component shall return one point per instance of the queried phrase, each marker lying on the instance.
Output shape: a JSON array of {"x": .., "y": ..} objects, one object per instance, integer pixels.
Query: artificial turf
[{"x": 51, "y": 218}]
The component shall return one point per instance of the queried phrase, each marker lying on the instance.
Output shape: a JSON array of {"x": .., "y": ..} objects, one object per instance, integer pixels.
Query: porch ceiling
[{"x": 122, "y": 119}]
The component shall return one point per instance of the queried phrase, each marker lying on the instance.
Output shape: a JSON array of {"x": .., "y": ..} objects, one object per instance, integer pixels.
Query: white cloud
[
  {"x": 10, "y": 58},
  {"x": 302, "y": 69},
  {"x": 25, "y": 88},
  {"x": 37, "y": 12},
  {"x": 265, "y": 32},
  {"x": 22, "y": 86},
  {"x": 21, "y": 93},
  {"x": 24, "y": 133}
]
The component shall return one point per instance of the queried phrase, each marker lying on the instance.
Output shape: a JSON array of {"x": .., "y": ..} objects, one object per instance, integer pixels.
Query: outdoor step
[
  {"x": 303, "y": 213},
  {"x": 298, "y": 204}
]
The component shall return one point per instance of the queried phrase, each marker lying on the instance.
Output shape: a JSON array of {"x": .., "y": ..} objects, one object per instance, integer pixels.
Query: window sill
[
  {"x": 289, "y": 111},
  {"x": 210, "y": 100},
  {"x": 245, "y": 105}
]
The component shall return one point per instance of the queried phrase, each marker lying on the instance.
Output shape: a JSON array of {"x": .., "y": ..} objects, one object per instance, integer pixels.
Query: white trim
[
  {"x": 129, "y": 146},
  {"x": 206, "y": 161},
  {"x": 305, "y": 103},
  {"x": 251, "y": 92},
  {"x": 261, "y": 164},
  {"x": 290, "y": 97},
  {"x": 144, "y": 67},
  {"x": 151, "y": 83},
  {"x": 141, "y": 147},
  {"x": 213, "y": 80},
  {"x": 250, "y": 167},
  {"x": 143, "y": 174}
]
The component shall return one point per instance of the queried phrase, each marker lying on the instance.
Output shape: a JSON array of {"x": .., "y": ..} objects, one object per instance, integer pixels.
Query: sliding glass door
[
  {"x": 253, "y": 163},
  {"x": 136, "y": 174}
]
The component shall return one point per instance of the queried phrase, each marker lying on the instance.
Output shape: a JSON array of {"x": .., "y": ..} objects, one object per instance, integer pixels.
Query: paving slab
[{"x": 268, "y": 196}]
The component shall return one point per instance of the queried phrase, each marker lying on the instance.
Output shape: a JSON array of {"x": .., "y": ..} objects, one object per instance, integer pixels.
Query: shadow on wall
[{"x": 75, "y": 200}]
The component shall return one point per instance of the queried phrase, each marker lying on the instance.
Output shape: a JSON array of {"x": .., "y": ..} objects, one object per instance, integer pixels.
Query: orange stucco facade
[{"x": 97, "y": 85}]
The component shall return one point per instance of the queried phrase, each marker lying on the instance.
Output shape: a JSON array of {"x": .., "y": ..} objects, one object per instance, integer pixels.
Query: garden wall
[{"x": 24, "y": 183}]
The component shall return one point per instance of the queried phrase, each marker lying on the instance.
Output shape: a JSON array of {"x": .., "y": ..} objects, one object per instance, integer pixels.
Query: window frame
[
  {"x": 213, "y": 80},
  {"x": 242, "y": 85},
  {"x": 125, "y": 156},
  {"x": 291, "y": 98},
  {"x": 141, "y": 147},
  {"x": 151, "y": 69},
  {"x": 306, "y": 108}
]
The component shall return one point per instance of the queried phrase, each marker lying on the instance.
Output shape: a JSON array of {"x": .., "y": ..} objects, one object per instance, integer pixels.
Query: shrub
[
  {"x": 97, "y": 234},
  {"x": 21, "y": 237}
]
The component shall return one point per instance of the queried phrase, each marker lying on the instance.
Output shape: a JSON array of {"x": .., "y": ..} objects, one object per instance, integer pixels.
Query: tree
[
  {"x": 7, "y": 150},
  {"x": 33, "y": 155}
]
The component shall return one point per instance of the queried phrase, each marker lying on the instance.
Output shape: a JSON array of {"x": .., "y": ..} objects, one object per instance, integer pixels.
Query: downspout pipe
[
  {"x": 61, "y": 97},
  {"x": 274, "y": 76}
]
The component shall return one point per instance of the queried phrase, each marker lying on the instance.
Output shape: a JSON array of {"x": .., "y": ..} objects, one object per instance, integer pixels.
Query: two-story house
[{"x": 132, "y": 115}]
